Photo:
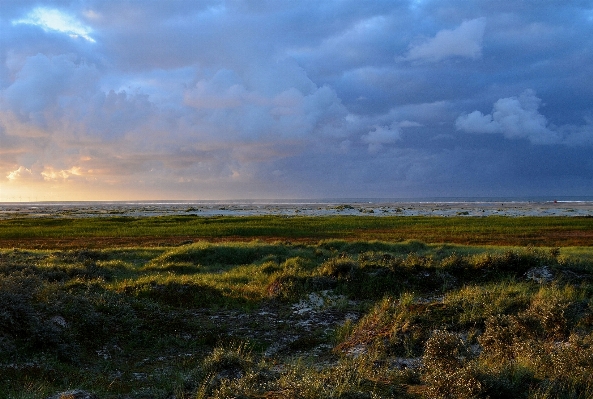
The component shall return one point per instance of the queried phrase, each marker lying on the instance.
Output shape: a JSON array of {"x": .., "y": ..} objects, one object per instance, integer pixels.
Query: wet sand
[{"x": 237, "y": 208}]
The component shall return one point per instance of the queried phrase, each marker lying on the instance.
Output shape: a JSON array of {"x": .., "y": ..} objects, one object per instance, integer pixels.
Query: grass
[
  {"x": 329, "y": 315},
  {"x": 127, "y": 231}
]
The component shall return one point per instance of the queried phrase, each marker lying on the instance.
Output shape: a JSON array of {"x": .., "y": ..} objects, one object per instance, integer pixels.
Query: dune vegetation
[{"x": 275, "y": 307}]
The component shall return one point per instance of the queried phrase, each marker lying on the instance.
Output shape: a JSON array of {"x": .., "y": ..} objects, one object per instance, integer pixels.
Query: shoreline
[{"x": 285, "y": 208}]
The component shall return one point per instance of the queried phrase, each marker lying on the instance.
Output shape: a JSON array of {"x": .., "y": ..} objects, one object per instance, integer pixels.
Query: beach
[{"x": 296, "y": 208}]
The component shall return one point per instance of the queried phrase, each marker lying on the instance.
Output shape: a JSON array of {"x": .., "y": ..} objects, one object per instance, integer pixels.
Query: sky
[{"x": 209, "y": 99}]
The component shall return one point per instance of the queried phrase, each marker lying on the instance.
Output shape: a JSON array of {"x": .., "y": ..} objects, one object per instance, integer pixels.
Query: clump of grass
[
  {"x": 360, "y": 378},
  {"x": 27, "y": 325},
  {"x": 476, "y": 303},
  {"x": 342, "y": 267},
  {"x": 174, "y": 292},
  {"x": 232, "y": 360},
  {"x": 392, "y": 326},
  {"x": 232, "y": 370}
]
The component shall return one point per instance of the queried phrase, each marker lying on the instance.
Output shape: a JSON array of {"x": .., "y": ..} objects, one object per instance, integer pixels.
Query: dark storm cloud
[{"x": 298, "y": 99}]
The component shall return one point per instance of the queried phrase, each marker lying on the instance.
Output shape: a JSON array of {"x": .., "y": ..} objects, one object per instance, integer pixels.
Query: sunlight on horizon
[
  {"x": 16, "y": 194},
  {"x": 64, "y": 192},
  {"x": 40, "y": 191}
]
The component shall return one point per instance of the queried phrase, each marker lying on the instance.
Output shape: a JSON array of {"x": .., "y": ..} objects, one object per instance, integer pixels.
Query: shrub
[
  {"x": 25, "y": 324},
  {"x": 548, "y": 309},
  {"x": 232, "y": 358},
  {"x": 447, "y": 371},
  {"x": 176, "y": 293},
  {"x": 391, "y": 327},
  {"x": 285, "y": 287},
  {"x": 499, "y": 337},
  {"x": 454, "y": 262},
  {"x": 340, "y": 268}
]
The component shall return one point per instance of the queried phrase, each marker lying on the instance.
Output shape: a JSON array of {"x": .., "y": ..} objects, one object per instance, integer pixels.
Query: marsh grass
[
  {"x": 239, "y": 319},
  {"x": 494, "y": 230}
]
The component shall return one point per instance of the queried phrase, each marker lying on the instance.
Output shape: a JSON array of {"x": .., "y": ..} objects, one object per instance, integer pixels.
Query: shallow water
[{"x": 375, "y": 208}]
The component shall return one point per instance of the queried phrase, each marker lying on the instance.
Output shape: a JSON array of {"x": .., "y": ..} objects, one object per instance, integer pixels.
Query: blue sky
[{"x": 130, "y": 100}]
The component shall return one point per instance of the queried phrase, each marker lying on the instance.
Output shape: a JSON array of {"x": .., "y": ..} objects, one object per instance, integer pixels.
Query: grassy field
[
  {"x": 273, "y": 307},
  {"x": 125, "y": 231}
]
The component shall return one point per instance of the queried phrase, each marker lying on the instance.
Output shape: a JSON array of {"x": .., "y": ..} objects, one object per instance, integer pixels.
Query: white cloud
[
  {"x": 49, "y": 173},
  {"x": 514, "y": 117},
  {"x": 464, "y": 41},
  {"x": 477, "y": 122},
  {"x": 19, "y": 174},
  {"x": 56, "y": 20},
  {"x": 382, "y": 135},
  {"x": 223, "y": 90}
]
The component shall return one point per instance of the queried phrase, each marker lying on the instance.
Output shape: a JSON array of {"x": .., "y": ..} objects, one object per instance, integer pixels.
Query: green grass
[
  {"x": 329, "y": 316},
  {"x": 537, "y": 231}
]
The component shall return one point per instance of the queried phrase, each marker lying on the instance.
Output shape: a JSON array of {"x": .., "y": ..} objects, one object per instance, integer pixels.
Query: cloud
[
  {"x": 464, "y": 41},
  {"x": 407, "y": 123},
  {"x": 513, "y": 117},
  {"x": 191, "y": 99},
  {"x": 381, "y": 136},
  {"x": 578, "y": 135},
  {"x": 50, "y": 174},
  {"x": 42, "y": 82},
  {"x": 223, "y": 107},
  {"x": 21, "y": 173},
  {"x": 108, "y": 116},
  {"x": 56, "y": 20},
  {"x": 433, "y": 113}
]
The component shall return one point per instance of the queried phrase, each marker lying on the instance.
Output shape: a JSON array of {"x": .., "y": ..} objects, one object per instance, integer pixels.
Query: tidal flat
[
  {"x": 279, "y": 306},
  {"x": 499, "y": 207}
]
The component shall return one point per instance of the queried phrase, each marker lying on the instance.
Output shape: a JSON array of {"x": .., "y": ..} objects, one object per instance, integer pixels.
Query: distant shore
[{"x": 294, "y": 208}]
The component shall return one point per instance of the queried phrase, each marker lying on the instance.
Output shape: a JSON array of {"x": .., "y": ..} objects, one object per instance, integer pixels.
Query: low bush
[
  {"x": 340, "y": 268},
  {"x": 447, "y": 370}
]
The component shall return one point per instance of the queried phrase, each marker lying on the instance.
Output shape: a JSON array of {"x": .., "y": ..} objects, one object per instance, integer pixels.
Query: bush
[
  {"x": 447, "y": 371},
  {"x": 233, "y": 358},
  {"x": 176, "y": 293},
  {"x": 499, "y": 337},
  {"x": 392, "y": 327},
  {"x": 340, "y": 268},
  {"x": 26, "y": 325}
]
